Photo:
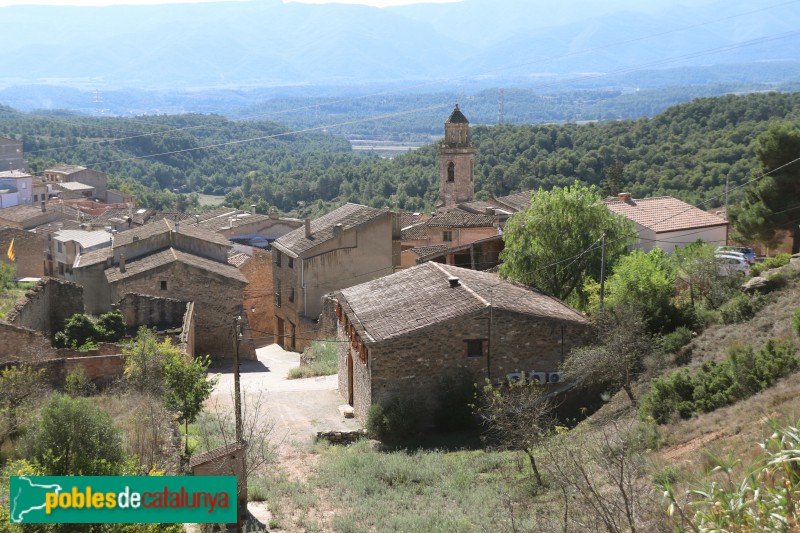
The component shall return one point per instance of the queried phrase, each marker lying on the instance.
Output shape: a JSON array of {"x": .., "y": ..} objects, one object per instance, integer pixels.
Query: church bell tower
[{"x": 456, "y": 162}]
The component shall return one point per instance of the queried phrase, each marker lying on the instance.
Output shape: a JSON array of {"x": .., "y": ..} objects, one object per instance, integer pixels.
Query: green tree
[
  {"x": 19, "y": 387},
  {"x": 187, "y": 387},
  {"x": 111, "y": 326},
  {"x": 613, "y": 185},
  {"x": 647, "y": 281},
  {"x": 7, "y": 273},
  {"x": 72, "y": 437},
  {"x": 145, "y": 358},
  {"x": 770, "y": 204},
  {"x": 555, "y": 243}
]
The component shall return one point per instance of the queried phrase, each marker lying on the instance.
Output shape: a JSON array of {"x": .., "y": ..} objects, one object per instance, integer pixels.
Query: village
[{"x": 407, "y": 300}]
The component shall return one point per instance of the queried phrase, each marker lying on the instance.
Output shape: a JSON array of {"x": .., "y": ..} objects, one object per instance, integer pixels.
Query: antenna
[{"x": 501, "y": 107}]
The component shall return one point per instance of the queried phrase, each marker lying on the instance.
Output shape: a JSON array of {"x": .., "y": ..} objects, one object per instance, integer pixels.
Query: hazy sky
[{"x": 376, "y": 3}]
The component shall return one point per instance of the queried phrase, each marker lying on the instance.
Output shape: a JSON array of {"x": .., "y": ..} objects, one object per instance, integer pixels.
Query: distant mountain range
[{"x": 269, "y": 43}]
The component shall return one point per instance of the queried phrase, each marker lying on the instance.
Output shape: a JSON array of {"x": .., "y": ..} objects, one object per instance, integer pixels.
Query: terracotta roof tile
[
  {"x": 216, "y": 453},
  {"x": 421, "y": 296},
  {"x": 664, "y": 214},
  {"x": 414, "y": 233},
  {"x": 164, "y": 226},
  {"x": 458, "y": 218},
  {"x": 238, "y": 259},
  {"x": 422, "y": 251},
  {"x": 168, "y": 256},
  {"x": 349, "y": 216},
  {"x": 518, "y": 201}
]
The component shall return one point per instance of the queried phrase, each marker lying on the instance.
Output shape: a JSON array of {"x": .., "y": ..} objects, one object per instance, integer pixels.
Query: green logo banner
[{"x": 122, "y": 499}]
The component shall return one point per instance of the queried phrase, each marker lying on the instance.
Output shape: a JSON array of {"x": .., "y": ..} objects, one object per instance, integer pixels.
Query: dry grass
[{"x": 9, "y": 298}]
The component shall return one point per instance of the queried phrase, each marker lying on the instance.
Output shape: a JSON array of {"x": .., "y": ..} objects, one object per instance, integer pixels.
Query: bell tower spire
[{"x": 456, "y": 162}]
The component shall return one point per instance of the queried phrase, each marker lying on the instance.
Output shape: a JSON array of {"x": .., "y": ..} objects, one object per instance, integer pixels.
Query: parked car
[
  {"x": 732, "y": 264},
  {"x": 748, "y": 253}
]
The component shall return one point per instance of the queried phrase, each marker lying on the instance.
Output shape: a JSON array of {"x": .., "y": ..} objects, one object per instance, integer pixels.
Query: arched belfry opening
[{"x": 456, "y": 162}]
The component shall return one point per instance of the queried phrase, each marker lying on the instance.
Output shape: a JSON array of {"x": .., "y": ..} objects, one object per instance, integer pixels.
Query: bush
[
  {"x": 111, "y": 326},
  {"x": 741, "y": 308},
  {"x": 796, "y": 321},
  {"x": 394, "y": 422},
  {"x": 82, "y": 332},
  {"x": 771, "y": 262},
  {"x": 672, "y": 342},
  {"x": 322, "y": 360},
  {"x": 73, "y": 425},
  {"x": 744, "y": 373},
  {"x": 78, "y": 384}
]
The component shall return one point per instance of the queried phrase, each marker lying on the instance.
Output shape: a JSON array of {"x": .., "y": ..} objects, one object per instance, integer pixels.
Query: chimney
[
  {"x": 122, "y": 263},
  {"x": 43, "y": 207},
  {"x": 454, "y": 282},
  {"x": 252, "y": 209},
  {"x": 308, "y": 227},
  {"x": 624, "y": 197},
  {"x": 177, "y": 227},
  {"x": 338, "y": 230}
]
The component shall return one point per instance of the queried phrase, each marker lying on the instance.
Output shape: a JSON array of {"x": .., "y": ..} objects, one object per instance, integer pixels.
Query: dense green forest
[{"x": 687, "y": 151}]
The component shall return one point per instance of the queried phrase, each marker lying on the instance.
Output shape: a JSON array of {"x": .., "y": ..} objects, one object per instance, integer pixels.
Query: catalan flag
[{"x": 11, "y": 255}]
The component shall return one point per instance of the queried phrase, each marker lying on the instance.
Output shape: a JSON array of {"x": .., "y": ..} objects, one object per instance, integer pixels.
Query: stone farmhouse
[
  {"x": 349, "y": 245},
  {"x": 402, "y": 335},
  {"x": 668, "y": 223},
  {"x": 77, "y": 174},
  {"x": 170, "y": 260}
]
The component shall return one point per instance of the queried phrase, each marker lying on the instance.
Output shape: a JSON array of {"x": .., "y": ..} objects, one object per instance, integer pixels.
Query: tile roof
[
  {"x": 414, "y": 233},
  {"x": 422, "y": 251},
  {"x": 458, "y": 218},
  {"x": 421, "y": 296},
  {"x": 216, "y": 453},
  {"x": 409, "y": 219},
  {"x": 169, "y": 256},
  {"x": 13, "y": 174},
  {"x": 349, "y": 216},
  {"x": 519, "y": 201},
  {"x": 457, "y": 117},
  {"x": 92, "y": 258},
  {"x": 238, "y": 259},
  {"x": 20, "y": 213},
  {"x": 165, "y": 226},
  {"x": 664, "y": 213}
]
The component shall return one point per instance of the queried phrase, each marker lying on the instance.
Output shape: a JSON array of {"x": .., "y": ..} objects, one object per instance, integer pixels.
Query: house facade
[
  {"x": 75, "y": 173},
  {"x": 402, "y": 336},
  {"x": 668, "y": 223},
  {"x": 348, "y": 246}
]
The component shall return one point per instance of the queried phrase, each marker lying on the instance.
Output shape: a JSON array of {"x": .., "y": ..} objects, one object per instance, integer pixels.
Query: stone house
[
  {"x": 28, "y": 216},
  {"x": 11, "y": 155},
  {"x": 402, "y": 335},
  {"x": 447, "y": 230},
  {"x": 348, "y": 246},
  {"x": 66, "y": 245},
  {"x": 259, "y": 296},
  {"x": 668, "y": 223},
  {"x": 75, "y": 173},
  {"x": 170, "y": 260}
]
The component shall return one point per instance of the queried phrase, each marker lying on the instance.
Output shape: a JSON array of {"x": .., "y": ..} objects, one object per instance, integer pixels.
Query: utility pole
[
  {"x": 602, "y": 270},
  {"x": 237, "y": 402}
]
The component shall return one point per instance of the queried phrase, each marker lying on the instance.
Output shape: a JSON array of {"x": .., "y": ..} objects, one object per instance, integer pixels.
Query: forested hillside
[{"x": 687, "y": 151}]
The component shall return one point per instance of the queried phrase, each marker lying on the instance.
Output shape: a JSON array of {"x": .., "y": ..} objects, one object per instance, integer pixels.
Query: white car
[
  {"x": 732, "y": 264},
  {"x": 748, "y": 253}
]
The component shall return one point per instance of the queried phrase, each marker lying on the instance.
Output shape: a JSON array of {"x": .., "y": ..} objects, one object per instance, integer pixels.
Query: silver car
[
  {"x": 748, "y": 253},
  {"x": 732, "y": 263}
]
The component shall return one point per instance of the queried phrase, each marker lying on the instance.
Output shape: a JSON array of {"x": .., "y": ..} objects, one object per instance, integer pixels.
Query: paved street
[{"x": 298, "y": 407}]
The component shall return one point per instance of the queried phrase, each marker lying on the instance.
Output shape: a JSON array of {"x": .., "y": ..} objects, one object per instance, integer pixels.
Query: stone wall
[
  {"x": 28, "y": 249},
  {"x": 186, "y": 342},
  {"x": 23, "y": 344},
  {"x": 414, "y": 366},
  {"x": 47, "y": 305},
  {"x": 100, "y": 369},
  {"x": 217, "y": 301},
  {"x": 152, "y": 311},
  {"x": 259, "y": 297}
]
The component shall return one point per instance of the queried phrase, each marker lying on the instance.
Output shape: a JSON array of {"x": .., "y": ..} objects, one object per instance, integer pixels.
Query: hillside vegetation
[{"x": 687, "y": 151}]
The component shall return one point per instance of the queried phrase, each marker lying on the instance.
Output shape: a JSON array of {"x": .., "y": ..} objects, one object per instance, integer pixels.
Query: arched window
[{"x": 451, "y": 171}]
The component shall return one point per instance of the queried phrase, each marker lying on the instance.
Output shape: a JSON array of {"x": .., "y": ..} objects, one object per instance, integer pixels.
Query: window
[
  {"x": 291, "y": 262},
  {"x": 451, "y": 171},
  {"x": 278, "y": 294},
  {"x": 35, "y": 198},
  {"x": 61, "y": 268},
  {"x": 291, "y": 294},
  {"x": 60, "y": 247},
  {"x": 277, "y": 258},
  {"x": 447, "y": 236},
  {"x": 163, "y": 285},
  {"x": 292, "y": 331},
  {"x": 475, "y": 347}
]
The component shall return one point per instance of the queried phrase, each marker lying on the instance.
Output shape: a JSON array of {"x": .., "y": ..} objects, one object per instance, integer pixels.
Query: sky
[{"x": 375, "y": 3}]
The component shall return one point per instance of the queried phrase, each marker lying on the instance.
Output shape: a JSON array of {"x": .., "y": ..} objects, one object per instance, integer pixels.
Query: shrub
[
  {"x": 796, "y": 321},
  {"x": 771, "y": 262},
  {"x": 394, "y": 422},
  {"x": 111, "y": 326},
  {"x": 73, "y": 425},
  {"x": 323, "y": 360},
  {"x": 78, "y": 383},
  {"x": 742, "y": 308},
  {"x": 82, "y": 332},
  {"x": 744, "y": 373},
  {"x": 672, "y": 342}
]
